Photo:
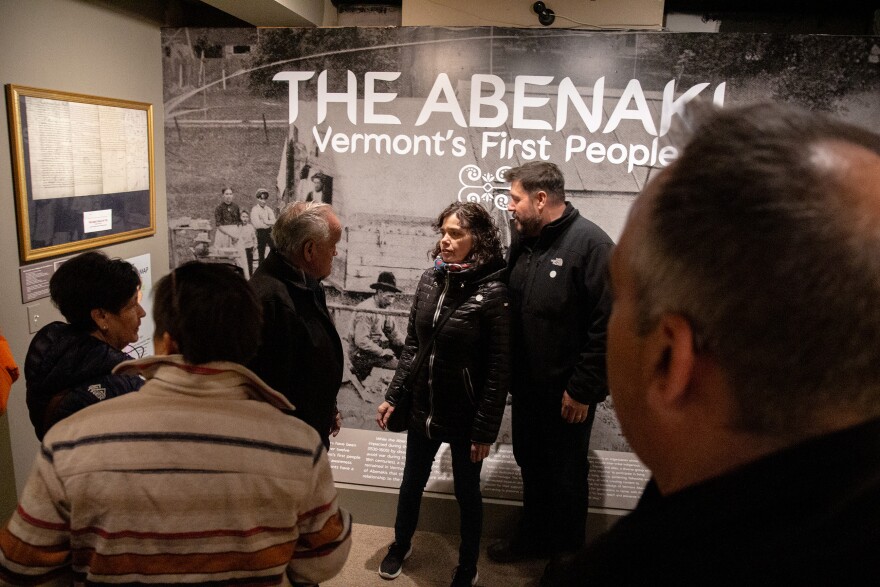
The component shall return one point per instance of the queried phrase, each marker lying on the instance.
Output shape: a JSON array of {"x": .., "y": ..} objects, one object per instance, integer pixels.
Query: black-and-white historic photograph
[{"x": 391, "y": 125}]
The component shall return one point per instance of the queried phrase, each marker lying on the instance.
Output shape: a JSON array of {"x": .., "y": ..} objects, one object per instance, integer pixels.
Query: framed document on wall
[{"x": 83, "y": 170}]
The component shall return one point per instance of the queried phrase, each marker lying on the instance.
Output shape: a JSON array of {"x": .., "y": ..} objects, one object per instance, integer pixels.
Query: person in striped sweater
[{"x": 203, "y": 477}]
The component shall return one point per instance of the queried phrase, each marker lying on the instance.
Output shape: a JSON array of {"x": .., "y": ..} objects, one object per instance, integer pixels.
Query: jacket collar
[
  {"x": 545, "y": 238},
  {"x": 492, "y": 271},
  {"x": 479, "y": 274},
  {"x": 554, "y": 229},
  {"x": 216, "y": 377},
  {"x": 279, "y": 267}
]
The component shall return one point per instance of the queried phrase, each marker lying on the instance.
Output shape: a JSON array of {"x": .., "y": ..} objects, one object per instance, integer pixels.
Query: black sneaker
[
  {"x": 392, "y": 564},
  {"x": 464, "y": 576}
]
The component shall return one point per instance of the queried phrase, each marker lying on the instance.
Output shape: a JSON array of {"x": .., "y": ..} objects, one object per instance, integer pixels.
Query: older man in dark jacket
[{"x": 300, "y": 354}]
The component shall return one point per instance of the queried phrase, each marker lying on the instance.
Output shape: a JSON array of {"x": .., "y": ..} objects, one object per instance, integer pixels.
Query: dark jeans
[
  {"x": 553, "y": 457},
  {"x": 420, "y": 453}
]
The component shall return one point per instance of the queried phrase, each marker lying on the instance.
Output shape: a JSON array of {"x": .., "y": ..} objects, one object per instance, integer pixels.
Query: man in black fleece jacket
[{"x": 557, "y": 281}]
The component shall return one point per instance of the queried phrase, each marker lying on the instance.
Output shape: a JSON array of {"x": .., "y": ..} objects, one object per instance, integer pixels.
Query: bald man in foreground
[{"x": 744, "y": 360}]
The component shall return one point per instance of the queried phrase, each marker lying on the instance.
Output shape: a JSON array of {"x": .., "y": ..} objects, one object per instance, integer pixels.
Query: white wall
[{"x": 74, "y": 46}]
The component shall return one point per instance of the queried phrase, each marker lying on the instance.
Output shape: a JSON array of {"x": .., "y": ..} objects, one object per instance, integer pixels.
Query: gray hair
[
  {"x": 299, "y": 223},
  {"x": 764, "y": 248}
]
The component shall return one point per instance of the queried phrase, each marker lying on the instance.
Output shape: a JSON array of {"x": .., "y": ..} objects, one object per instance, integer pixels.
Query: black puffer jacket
[
  {"x": 67, "y": 370},
  {"x": 461, "y": 386}
]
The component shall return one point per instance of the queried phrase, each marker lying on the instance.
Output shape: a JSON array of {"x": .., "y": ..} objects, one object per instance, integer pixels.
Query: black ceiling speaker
[{"x": 545, "y": 15}]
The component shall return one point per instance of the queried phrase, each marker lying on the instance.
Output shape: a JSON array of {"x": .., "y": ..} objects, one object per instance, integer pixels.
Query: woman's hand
[
  {"x": 383, "y": 413},
  {"x": 478, "y": 451}
]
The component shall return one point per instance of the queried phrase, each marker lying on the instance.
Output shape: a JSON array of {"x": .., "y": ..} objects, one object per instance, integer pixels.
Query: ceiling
[
  {"x": 838, "y": 17},
  {"x": 281, "y": 13}
]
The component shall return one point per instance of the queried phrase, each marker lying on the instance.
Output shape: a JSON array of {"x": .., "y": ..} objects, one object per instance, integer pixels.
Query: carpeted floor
[{"x": 433, "y": 559}]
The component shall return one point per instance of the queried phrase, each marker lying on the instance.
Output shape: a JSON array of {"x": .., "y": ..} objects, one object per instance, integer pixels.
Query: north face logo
[{"x": 98, "y": 391}]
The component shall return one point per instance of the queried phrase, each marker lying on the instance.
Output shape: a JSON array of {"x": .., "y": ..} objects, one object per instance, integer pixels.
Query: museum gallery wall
[{"x": 392, "y": 124}]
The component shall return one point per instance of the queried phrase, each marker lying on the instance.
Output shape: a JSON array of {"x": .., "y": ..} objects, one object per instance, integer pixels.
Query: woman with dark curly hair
[
  {"x": 455, "y": 366},
  {"x": 68, "y": 366}
]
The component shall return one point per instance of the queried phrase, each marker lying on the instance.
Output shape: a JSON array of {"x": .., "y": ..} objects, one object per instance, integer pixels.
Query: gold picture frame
[{"x": 83, "y": 169}]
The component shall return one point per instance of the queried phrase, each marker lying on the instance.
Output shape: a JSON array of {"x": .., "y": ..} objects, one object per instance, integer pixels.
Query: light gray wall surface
[{"x": 82, "y": 47}]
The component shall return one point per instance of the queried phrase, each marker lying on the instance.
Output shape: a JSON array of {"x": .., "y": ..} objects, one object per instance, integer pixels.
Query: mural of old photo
[{"x": 392, "y": 124}]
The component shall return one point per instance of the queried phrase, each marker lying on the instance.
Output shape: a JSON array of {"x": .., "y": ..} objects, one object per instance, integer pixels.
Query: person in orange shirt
[{"x": 8, "y": 372}]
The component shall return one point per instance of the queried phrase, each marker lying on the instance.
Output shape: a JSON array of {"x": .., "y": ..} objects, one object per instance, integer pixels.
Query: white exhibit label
[{"x": 97, "y": 220}]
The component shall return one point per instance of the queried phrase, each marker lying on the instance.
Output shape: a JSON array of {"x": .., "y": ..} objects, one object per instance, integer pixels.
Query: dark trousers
[
  {"x": 420, "y": 453},
  {"x": 553, "y": 457},
  {"x": 264, "y": 239}
]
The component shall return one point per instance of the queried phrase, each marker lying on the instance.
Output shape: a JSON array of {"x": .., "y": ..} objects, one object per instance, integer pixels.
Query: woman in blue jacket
[{"x": 69, "y": 365}]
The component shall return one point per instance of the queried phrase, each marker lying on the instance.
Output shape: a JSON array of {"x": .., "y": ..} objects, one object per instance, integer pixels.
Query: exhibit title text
[{"x": 491, "y": 104}]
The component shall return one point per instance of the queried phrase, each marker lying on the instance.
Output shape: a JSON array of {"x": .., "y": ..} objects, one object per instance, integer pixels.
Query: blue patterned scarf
[{"x": 441, "y": 267}]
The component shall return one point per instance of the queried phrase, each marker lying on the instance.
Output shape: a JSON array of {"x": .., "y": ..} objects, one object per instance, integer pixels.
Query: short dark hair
[
  {"x": 210, "y": 311},
  {"x": 487, "y": 243},
  {"x": 536, "y": 176},
  {"x": 759, "y": 242},
  {"x": 92, "y": 281}
]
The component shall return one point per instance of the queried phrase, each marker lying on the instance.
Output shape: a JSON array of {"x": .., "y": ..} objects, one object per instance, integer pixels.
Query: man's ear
[
  {"x": 540, "y": 199},
  {"x": 308, "y": 250},
  {"x": 674, "y": 360}
]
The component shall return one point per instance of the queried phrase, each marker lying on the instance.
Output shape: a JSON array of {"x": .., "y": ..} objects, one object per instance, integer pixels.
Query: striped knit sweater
[{"x": 199, "y": 478}]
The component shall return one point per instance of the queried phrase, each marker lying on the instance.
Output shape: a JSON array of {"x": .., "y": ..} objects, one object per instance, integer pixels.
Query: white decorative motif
[
  {"x": 487, "y": 191},
  {"x": 557, "y": 261}
]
